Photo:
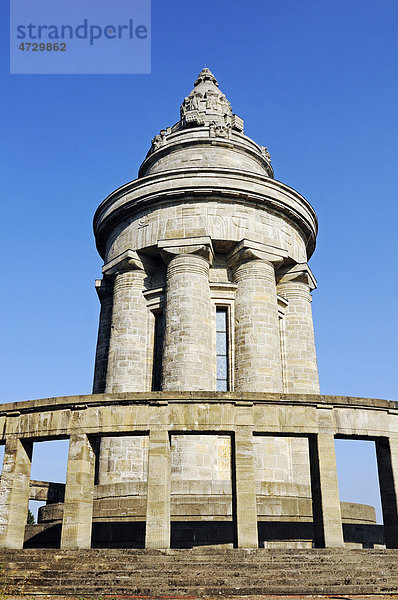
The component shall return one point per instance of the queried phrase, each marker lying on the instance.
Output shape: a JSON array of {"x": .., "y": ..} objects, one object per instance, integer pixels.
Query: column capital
[
  {"x": 299, "y": 272},
  {"x": 104, "y": 289},
  {"x": 247, "y": 250},
  {"x": 127, "y": 261},
  {"x": 199, "y": 246}
]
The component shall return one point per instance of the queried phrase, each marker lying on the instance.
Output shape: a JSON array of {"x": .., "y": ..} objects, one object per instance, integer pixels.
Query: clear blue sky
[{"x": 315, "y": 81}]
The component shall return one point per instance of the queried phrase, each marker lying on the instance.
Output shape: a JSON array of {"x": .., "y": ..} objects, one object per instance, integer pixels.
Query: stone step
[
  {"x": 202, "y": 564},
  {"x": 193, "y": 573},
  {"x": 262, "y": 555},
  {"x": 201, "y": 591},
  {"x": 161, "y": 583},
  {"x": 182, "y": 577},
  {"x": 259, "y": 557},
  {"x": 210, "y": 571}
]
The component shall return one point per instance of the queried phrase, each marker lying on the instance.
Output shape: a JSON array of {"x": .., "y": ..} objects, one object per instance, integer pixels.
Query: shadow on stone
[
  {"x": 195, "y": 533},
  {"x": 43, "y": 536},
  {"x": 201, "y": 533},
  {"x": 118, "y": 534},
  {"x": 365, "y": 534}
]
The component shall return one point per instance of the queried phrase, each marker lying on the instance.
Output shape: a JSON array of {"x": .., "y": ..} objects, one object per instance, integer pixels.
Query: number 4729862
[{"x": 41, "y": 47}]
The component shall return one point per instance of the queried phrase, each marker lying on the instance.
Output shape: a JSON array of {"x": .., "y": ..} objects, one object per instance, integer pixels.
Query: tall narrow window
[
  {"x": 222, "y": 349},
  {"x": 158, "y": 352}
]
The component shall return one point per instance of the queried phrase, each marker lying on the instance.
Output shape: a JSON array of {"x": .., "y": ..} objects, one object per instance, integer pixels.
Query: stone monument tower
[
  {"x": 206, "y": 287},
  {"x": 206, "y": 425},
  {"x": 205, "y": 227}
]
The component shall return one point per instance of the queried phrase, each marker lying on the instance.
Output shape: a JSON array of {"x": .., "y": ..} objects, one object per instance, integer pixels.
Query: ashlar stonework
[{"x": 206, "y": 424}]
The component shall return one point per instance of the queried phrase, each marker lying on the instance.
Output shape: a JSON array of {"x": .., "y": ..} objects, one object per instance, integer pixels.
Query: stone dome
[{"x": 208, "y": 134}]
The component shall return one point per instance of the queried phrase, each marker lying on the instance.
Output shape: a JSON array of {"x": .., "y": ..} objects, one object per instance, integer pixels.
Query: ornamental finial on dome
[
  {"x": 205, "y": 118},
  {"x": 206, "y": 75},
  {"x": 206, "y": 106}
]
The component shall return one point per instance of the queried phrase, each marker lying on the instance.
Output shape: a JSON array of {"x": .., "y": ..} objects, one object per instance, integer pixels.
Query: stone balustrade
[{"x": 161, "y": 415}]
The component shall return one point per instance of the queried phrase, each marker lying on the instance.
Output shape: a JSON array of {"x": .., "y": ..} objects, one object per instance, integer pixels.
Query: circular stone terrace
[{"x": 160, "y": 415}]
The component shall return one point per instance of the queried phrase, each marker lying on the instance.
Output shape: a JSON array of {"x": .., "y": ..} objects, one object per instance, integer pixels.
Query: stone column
[
  {"x": 387, "y": 464},
  {"x": 157, "y": 531},
  {"x": 245, "y": 490},
  {"x": 301, "y": 370},
  {"x": 104, "y": 291},
  {"x": 258, "y": 366},
  {"x": 188, "y": 360},
  {"x": 79, "y": 494},
  {"x": 14, "y": 492},
  {"x": 127, "y": 363},
  {"x": 328, "y": 530}
]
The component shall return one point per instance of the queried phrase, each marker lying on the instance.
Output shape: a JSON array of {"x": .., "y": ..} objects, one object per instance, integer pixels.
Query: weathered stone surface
[
  {"x": 79, "y": 496},
  {"x": 299, "y": 356},
  {"x": 207, "y": 242},
  {"x": 188, "y": 353},
  {"x": 14, "y": 492},
  {"x": 205, "y": 196},
  {"x": 202, "y": 573},
  {"x": 257, "y": 347},
  {"x": 157, "y": 533},
  {"x": 105, "y": 294},
  {"x": 205, "y": 413},
  {"x": 328, "y": 530},
  {"x": 128, "y": 355},
  {"x": 246, "y": 506}
]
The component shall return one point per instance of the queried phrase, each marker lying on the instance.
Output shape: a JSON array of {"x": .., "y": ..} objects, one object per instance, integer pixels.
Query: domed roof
[{"x": 206, "y": 121}]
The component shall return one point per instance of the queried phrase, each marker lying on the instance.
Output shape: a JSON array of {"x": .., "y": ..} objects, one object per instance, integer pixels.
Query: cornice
[
  {"x": 130, "y": 398},
  {"x": 226, "y": 184}
]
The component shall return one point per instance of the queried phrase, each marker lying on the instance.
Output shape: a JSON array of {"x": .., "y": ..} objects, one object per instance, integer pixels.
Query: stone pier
[
  {"x": 14, "y": 492},
  {"x": 79, "y": 493},
  {"x": 387, "y": 463}
]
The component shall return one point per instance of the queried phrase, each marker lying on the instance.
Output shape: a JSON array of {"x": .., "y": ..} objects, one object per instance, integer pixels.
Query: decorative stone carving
[
  {"x": 211, "y": 101},
  {"x": 143, "y": 222},
  {"x": 161, "y": 139},
  {"x": 237, "y": 123},
  {"x": 266, "y": 154},
  {"x": 194, "y": 102},
  {"x": 207, "y": 105}
]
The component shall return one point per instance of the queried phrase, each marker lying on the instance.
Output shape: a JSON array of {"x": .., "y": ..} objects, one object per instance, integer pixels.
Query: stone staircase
[{"x": 197, "y": 572}]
